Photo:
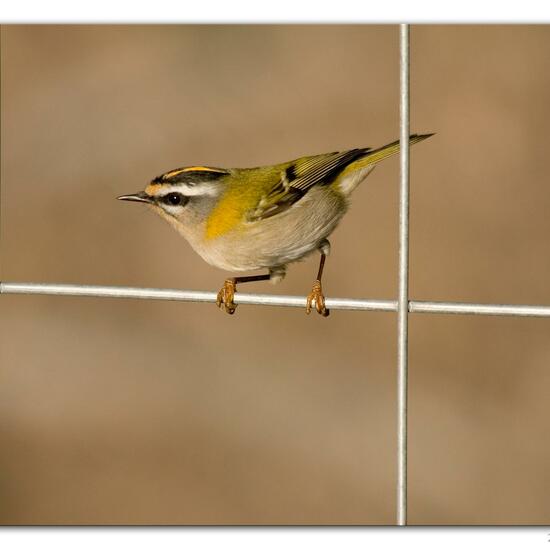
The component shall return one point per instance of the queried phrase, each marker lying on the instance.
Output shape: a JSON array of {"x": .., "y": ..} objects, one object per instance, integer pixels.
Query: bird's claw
[
  {"x": 316, "y": 295},
  {"x": 226, "y": 296}
]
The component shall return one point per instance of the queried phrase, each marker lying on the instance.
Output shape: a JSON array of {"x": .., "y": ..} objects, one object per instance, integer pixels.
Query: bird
[{"x": 263, "y": 218}]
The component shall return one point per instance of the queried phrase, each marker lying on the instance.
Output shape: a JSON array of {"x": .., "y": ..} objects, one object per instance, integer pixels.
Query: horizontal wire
[
  {"x": 458, "y": 308},
  {"x": 415, "y": 306},
  {"x": 187, "y": 295}
]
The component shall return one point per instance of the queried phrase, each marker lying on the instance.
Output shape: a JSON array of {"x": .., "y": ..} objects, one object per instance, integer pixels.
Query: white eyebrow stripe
[{"x": 199, "y": 189}]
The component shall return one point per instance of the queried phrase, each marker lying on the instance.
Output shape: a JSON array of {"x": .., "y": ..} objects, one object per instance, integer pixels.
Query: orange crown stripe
[
  {"x": 192, "y": 169},
  {"x": 199, "y": 168},
  {"x": 152, "y": 190}
]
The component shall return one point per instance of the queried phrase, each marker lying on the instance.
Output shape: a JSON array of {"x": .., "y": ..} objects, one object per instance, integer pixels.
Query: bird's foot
[
  {"x": 226, "y": 296},
  {"x": 316, "y": 295}
]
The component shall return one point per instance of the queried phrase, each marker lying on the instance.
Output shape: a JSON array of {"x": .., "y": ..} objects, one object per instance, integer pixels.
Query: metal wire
[
  {"x": 350, "y": 304},
  {"x": 403, "y": 298},
  {"x": 479, "y": 309},
  {"x": 188, "y": 296}
]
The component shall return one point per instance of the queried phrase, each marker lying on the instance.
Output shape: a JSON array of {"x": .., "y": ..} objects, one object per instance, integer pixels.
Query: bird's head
[{"x": 183, "y": 196}]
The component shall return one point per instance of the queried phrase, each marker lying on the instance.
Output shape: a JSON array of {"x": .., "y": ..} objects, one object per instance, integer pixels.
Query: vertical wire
[{"x": 403, "y": 300}]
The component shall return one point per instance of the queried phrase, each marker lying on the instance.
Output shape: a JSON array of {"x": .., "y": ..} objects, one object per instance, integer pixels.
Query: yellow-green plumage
[
  {"x": 240, "y": 197},
  {"x": 252, "y": 194}
]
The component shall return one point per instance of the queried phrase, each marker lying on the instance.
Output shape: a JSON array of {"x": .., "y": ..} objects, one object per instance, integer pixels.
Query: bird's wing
[{"x": 298, "y": 177}]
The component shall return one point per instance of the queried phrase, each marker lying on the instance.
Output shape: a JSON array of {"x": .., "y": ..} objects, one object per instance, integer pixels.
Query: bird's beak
[{"x": 136, "y": 197}]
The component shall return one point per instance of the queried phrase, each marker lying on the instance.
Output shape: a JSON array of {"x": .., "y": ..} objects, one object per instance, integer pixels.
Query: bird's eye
[{"x": 174, "y": 198}]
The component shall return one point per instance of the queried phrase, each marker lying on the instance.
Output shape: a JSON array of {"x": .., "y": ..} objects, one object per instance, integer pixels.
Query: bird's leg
[
  {"x": 227, "y": 293},
  {"x": 316, "y": 294}
]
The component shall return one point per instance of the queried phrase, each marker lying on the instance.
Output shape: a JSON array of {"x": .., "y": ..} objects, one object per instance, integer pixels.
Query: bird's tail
[
  {"x": 375, "y": 156},
  {"x": 362, "y": 166}
]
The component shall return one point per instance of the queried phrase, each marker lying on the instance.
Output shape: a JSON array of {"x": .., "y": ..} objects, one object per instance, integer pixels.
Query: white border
[
  {"x": 281, "y": 11},
  {"x": 351, "y": 538}
]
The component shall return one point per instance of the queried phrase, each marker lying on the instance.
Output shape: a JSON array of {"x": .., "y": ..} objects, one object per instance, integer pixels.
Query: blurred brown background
[{"x": 124, "y": 411}]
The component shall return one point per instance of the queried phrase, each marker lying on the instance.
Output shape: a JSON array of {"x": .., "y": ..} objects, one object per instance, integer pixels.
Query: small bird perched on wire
[{"x": 246, "y": 219}]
